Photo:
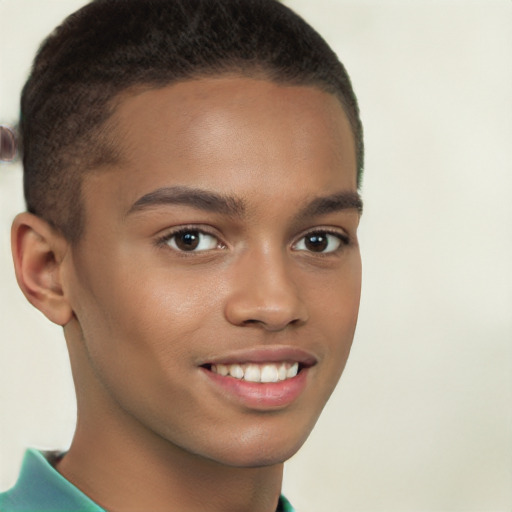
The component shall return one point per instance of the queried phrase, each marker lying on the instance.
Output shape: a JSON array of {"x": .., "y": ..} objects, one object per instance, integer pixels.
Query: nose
[{"x": 264, "y": 293}]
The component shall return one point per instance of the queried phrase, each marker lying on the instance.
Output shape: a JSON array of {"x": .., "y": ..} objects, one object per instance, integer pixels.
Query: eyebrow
[
  {"x": 228, "y": 205},
  {"x": 346, "y": 200},
  {"x": 194, "y": 197}
]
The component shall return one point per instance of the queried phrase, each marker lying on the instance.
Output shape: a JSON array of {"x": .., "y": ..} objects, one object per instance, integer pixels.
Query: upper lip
[{"x": 266, "y": 354}]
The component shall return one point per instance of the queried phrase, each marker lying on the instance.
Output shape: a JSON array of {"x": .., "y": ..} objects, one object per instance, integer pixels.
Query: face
[{"x": 216, "y": 287}]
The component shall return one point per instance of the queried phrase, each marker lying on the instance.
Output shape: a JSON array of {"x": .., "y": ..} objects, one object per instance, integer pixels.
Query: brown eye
[
  {"x": 192, "y": 240},
  {"x": 316, "y": 242},
  {"x": 187, "y": 241},
  {"x": 320, "y": 242}
]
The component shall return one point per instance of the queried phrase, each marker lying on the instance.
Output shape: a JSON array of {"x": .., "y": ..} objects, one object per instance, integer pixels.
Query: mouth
[
  {"x": 268, "y": 372},
  {"x": 261, "y": 379}
]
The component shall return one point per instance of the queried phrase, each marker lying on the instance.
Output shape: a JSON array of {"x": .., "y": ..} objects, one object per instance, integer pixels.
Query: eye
[
  {"x": 321, "y": 242},
  {"x": 192, "y": 240}
]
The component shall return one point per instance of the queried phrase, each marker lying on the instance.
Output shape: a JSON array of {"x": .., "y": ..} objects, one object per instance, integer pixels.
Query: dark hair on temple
[{"x": 111, "y": 46}]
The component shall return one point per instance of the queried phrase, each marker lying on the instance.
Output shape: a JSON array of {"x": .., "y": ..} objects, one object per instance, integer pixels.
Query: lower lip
[{"x": 260, "y": 395}]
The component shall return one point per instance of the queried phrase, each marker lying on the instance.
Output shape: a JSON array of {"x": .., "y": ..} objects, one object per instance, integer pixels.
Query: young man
[{"x": 191, "y": 174}]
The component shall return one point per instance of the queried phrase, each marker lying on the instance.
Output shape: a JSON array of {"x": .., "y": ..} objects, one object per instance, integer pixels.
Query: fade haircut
[{"x": 111, "y": 46}]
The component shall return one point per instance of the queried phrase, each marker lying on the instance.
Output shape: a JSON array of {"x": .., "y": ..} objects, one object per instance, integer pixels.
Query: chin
[
  {"x": 261, "y": 450},
  {"x": 258, "y": 458}
]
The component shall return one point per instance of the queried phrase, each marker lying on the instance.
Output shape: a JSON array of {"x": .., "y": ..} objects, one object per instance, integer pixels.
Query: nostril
[
  {"x": 251, "y": 321},
  {"x": 271, "y": 323}
]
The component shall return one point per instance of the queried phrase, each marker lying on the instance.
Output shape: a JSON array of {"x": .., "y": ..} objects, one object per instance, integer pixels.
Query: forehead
[{"x": 232, "y": 133}]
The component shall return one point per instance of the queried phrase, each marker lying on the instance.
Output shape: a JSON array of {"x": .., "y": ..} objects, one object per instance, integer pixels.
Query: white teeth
[
  {"x": 292, "y": 371},
  {"x": 221, "y": 369},
  {"x": 281, "y": 373},
  {"x": 269, "y": 373},
  {"x": 235, "y": 370},
  {"x": 251, "y": 372}
]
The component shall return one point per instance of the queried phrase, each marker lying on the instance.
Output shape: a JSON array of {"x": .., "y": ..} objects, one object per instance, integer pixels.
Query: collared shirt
[{"x": 41, "y": 488}]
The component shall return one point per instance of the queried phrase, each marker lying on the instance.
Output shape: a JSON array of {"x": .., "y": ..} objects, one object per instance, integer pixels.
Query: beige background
[{"x": 422, "y": 420}]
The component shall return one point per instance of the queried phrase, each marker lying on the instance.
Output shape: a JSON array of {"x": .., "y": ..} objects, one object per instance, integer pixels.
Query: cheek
[
  {"x": 335, "y": 307},
  {"x": 137, "y": 316},
  {"x": 139, "y": 334},
  {"x": 335, "y": 296},
  {"x": 142, "y": 293}
]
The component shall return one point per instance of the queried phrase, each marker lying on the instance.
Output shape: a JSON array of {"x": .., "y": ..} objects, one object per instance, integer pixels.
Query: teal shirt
[{"x": 41, "y": 488}]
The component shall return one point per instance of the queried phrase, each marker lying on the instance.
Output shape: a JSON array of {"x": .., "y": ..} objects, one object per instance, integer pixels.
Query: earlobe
[{"x": 38, "y": 252}]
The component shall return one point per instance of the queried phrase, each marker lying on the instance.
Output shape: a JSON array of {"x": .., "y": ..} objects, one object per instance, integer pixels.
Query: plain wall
[{"x": 421, "y": 420}]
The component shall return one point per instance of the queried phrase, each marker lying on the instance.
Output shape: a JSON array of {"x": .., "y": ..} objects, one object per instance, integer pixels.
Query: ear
[{"x": 38, "y": 252}]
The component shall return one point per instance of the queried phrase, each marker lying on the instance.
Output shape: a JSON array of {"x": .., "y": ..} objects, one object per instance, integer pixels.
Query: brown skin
[{"x": 140, "y": 317}]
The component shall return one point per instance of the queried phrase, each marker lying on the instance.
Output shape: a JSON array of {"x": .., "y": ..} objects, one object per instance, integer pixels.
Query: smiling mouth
[{"x": 258, "y": 372}]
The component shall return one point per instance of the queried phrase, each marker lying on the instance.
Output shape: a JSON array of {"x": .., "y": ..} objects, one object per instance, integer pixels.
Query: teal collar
[{"x": 41, "y": 488}]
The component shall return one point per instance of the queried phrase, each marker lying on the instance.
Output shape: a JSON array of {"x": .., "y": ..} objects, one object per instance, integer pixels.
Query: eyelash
[
  {"x": 166, "y": 239},
  {"x": 344, "y": 240}
]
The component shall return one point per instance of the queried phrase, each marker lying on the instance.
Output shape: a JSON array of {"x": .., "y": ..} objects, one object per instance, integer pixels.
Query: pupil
[
  {"x": 317, "y": 243},
  {"x": 187, "y": 241}
]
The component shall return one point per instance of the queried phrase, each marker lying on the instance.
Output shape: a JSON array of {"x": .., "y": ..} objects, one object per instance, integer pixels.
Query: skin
[{"x": 141, "y": 317}]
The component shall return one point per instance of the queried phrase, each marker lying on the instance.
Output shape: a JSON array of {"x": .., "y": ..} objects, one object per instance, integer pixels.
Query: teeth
[
  {"x": 251, "y": 372},
  {"x": 235, "y": 370},
  {"x": 269, "y": 373},
  {"x": 292, "y": 371},
  {"x": 281, "y": 373},
  {"x": 221, "y": 369}
]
